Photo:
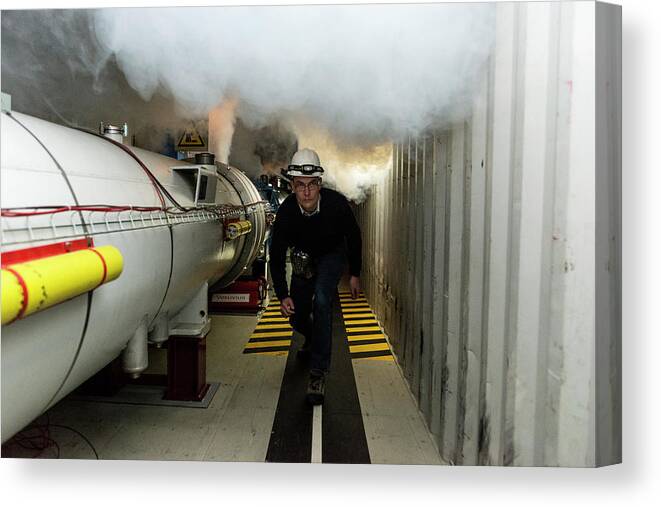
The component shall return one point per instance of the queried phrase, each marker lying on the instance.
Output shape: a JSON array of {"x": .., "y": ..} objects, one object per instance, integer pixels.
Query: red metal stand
[
  {"x": 245, "y": 295},
  {"x": 187, "y": 368}
]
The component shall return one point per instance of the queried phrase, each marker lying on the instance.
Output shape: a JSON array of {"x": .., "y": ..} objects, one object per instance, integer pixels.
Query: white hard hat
[
  {"x": 305, "y": 162},
  {"x": 306, "y": 156}
]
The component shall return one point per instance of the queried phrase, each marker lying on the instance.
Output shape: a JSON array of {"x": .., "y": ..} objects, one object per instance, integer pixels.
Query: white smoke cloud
[
  {"x": 351, "y": 170},
  {"x": 347, "y": 79},
  {"x": 54, "y": 69},
  {"x": 365, "y": 73},
  {"x": 222, "y": 120}
]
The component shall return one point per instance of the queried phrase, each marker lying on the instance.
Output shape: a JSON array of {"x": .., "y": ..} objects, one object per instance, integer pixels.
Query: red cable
[
  {"x": 103, "y": 208},
  {"x": 22, "y": 212},
  {"x": 8, "y": 212}
]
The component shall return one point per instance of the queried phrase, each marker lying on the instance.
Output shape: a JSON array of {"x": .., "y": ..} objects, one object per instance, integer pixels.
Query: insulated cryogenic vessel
[{"x": 105, "y": 248}]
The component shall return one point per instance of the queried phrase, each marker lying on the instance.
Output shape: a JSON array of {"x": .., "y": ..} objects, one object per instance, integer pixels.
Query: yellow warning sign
[{"x": 191, "y": 140}]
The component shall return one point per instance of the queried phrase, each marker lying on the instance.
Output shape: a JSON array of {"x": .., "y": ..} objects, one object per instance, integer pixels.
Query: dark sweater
[{"x": 333, "y": 227}]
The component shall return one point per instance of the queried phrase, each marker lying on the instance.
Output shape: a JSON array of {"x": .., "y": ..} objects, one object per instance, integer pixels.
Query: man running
[{"x": 319, "y": 225}]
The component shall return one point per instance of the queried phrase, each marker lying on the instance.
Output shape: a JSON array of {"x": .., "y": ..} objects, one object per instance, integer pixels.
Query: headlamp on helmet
[
  {"x": 304, "y": 163},
  {"x": 304, "y": 170}
]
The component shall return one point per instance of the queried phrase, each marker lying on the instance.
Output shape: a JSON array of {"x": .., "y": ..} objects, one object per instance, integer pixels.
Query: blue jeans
[{"x": 313, "y": 304}]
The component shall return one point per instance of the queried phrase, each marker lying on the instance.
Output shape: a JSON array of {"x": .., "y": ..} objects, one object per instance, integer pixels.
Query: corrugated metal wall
[{"x": 480, "y": 254}]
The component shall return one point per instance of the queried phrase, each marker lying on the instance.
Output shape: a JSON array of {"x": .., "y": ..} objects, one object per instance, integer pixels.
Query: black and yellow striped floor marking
[
  {"x": 366, "y": 340},
  {"x": 272, "y": 335}
]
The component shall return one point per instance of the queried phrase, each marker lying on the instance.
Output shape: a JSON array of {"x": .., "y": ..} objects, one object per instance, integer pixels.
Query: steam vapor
[
  {"x": 345, "y": 80},
  {"x": 370, "y": 72},
  {"x": 221, "y": 129},
  {"x": 275, "y": 146},
  {"x": 356, "y": 77}
]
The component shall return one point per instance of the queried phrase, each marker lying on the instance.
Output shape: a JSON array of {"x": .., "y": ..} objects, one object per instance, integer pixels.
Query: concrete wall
[{"x": 486, "y": 264}]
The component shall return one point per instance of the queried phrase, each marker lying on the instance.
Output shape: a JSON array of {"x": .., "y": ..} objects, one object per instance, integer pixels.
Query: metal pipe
[
  {"x": 135, "y": 357},
  {"x": 161, "y": 330},
  {"x": 30, "y": 287},
  {"x": 236, "y": 229}
]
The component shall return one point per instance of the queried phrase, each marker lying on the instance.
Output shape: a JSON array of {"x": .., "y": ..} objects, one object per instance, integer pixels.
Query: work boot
[{"x": 316, "y": 389}]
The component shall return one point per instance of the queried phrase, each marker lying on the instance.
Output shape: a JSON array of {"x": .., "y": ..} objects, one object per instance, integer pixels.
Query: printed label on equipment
[{"x": 230, "y": 298}]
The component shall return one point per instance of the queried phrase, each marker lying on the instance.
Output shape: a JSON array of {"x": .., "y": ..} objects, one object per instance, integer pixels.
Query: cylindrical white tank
[{"x": 168, "y": 256}]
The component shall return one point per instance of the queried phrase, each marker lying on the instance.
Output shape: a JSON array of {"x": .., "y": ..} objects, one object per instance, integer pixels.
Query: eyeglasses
[{"x": 299, "y": 186}]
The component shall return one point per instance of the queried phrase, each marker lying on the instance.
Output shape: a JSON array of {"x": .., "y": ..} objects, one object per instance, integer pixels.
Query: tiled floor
[
  {"x": 395, "y": 430},
  {"x": 237, "y": 424}
]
